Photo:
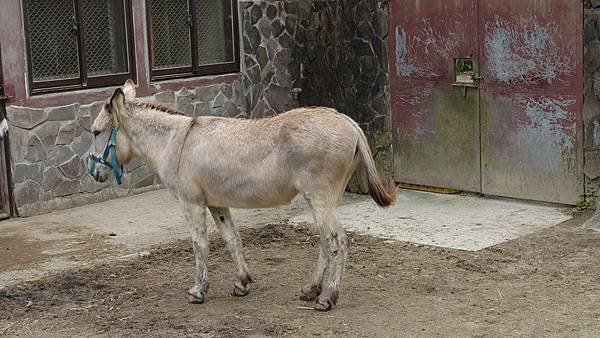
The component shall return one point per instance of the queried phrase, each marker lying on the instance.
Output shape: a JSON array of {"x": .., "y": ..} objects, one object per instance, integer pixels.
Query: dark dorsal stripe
[{"x": 157, "y": 106}]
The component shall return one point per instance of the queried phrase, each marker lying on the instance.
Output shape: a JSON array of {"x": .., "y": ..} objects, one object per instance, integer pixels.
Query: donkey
[{"x": 220, "y": 163}]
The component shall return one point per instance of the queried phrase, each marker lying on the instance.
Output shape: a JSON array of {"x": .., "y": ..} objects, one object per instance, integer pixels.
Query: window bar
[
  {"x": 78, "y": 27},
  {"x": 193, "y": 22}
]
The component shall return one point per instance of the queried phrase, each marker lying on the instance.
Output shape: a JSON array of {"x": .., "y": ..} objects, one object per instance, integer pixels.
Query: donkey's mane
[{"x": 157, "y": 106}]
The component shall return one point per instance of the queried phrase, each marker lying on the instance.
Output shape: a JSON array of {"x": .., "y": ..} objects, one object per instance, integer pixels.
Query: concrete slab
[
  {"x": 119, "y": 229},
  {"x": 593, "y": 223},
  {"x": 451, "y": 221},
  {"x": 35, "y": 246}
]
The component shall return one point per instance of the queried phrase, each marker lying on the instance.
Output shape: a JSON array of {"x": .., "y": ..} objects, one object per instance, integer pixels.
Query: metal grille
[
  {"x": 52, "y": 40},
  {"x": 170, "y": 34},
  {"x": 213, "y": 28},
  {"x": 105, "y": 37}
]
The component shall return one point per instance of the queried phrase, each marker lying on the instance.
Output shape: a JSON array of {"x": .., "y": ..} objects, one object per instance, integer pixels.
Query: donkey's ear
[
  {"x": 129, "y": 90},
  {"x": 117, "y": 101}
]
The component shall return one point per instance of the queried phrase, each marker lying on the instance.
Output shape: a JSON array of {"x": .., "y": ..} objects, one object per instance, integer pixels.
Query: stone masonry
[
  {"x": 331, "y": 52},
  {"x": 50, "y": 148},
  {"x": 346, "y": 54},
  {"x": 271, "y": 39}
]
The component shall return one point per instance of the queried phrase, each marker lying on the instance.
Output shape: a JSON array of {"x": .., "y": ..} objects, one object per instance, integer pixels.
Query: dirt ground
[{"x": 544, "y": 284}]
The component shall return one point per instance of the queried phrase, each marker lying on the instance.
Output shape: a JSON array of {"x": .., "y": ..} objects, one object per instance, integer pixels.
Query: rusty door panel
[
  {"x": 530, "y": 147},
  {"x": 435, "y": 126},
  {"x": 532, "y": 101}
]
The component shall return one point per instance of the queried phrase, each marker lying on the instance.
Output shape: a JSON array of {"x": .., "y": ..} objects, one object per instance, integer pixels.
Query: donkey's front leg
[
  {"x": 195, "y": 215},
  {"x": 222, "y": 217}
]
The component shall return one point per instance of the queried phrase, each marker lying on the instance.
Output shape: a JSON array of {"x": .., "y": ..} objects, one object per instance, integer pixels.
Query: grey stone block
[
  {"x": 255, "y": 13},
  {"x": 277, "y": 27},
  {"x": 85, "y": 122},
  {"x": 218, "y": 101},
  {"x": 207, "y": 93},
  {"x": 71, "y": 168},
  {"x": 64, "y": 113},
  {"x": 47, "y": 133},
  {"x": 35, "y": 150},
  {"x": 67, "y": 188},
  {"x": 24, "y": 171},
  {"x": 66, "y": 134},
  {"x": 167, "y": 97},
  {"x": 27, "y": 192},
  {"x": 264, "y": 28},
  {"x": 60, "y": 155},
  {"x": 201, "y": 108},
  {"x": 82, "y": 145},
  {"x": 26, "y": 118},
  {"x": 52, "y": 178}
]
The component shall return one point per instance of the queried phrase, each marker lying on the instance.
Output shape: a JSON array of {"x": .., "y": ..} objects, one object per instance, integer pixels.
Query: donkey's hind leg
[
  {"x": 196, "y": 217},
  {"x": 313, "y": 288},
  {"x": 333, "y": 244},
  {"x": 222, "y": 217}
]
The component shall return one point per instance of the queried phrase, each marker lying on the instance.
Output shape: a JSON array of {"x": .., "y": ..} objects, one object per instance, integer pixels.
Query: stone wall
[
  {"x": 347, "y": 68},
  {"x": 271, "y": 38},
  {"x": 591, "y": 109},
  {"x": 332, "y": 52},
  {"x": 50, "y": 146}
]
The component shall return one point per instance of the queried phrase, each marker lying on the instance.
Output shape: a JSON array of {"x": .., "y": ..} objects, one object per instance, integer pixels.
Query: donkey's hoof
[
  {"x": 193, "y": 299},
  {"x": 195, "y": 296},
  {"x": 323, "y": 305},
  {"x": 310, "y": 295},
  {"x": 240, "y": 291}
]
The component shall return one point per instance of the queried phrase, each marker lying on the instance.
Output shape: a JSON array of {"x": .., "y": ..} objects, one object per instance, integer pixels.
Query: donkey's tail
[{"x": 384, "y": 195}]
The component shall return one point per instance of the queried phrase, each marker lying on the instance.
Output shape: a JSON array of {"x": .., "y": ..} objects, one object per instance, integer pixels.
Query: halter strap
[{"x": 110, "y": 151}]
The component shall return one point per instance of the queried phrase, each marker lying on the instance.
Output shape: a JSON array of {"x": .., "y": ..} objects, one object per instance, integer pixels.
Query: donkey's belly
[{"x": 249, "y": 195}]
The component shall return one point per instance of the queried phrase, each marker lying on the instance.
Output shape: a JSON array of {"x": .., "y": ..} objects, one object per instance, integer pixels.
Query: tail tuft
[{"x": 384, "y": 196}]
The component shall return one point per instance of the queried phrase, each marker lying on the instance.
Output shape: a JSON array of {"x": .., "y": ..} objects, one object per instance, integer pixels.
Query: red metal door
[
  {"x": 532, "y": 99},
  {"x": 520, "y": 134},
  {"x": 435, "y": 125}
]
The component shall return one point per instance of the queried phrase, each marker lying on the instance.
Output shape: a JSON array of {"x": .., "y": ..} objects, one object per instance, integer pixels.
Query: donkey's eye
[{"x": 96, "y": 132}]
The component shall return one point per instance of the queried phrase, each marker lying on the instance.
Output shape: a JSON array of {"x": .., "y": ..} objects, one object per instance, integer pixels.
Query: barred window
[
  {"x": 74, "y": 44},
  {"x": 192, "y": 37}
]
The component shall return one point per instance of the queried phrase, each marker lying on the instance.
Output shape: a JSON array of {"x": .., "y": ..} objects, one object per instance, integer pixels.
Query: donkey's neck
[{"x": 155, "y": 135}]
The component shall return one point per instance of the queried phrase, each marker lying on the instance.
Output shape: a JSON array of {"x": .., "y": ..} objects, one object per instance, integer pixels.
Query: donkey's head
[{"x": 111, "y": 148}]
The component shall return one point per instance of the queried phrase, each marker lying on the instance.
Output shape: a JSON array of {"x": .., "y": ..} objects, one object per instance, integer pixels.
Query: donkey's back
[{"x": 266, "y": 162}]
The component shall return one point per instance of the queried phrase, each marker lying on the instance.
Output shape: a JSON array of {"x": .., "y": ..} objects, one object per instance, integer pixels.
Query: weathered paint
[
  {"x": 526, "y": 52},
  {"x": 532, "y": 99},
  {"x": 436, "y": 128},
  {"x": 425, "y": 52},
  {"x": 529, "y": 147}
]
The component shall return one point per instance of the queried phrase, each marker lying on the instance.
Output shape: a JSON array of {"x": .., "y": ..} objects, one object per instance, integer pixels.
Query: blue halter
[{"x": 109, "y": 151}]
